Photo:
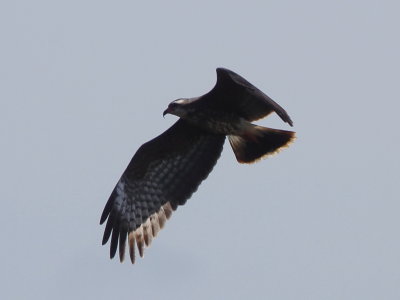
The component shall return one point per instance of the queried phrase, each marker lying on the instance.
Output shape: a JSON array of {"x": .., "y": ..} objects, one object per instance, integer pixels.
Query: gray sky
[{"x": 84, "y": 84}]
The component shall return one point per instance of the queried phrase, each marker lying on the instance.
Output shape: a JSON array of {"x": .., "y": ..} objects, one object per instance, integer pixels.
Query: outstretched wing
[
  {"x": 235, "y": 93},
  {"x": 162, "y": 174}
]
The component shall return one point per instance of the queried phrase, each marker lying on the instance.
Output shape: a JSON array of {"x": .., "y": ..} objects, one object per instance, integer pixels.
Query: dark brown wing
[
  {"x": 235, "y": 93},
  {"x": 162, "y": 174}
]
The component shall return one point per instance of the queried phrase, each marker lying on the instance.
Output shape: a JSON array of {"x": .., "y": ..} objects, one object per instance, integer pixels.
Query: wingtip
[
  {"x": 131, "y": 242},
  {"x": 103, "y": 217},
  {"x": 284, "y": 116},
  {"x": 224, "y": 73}
]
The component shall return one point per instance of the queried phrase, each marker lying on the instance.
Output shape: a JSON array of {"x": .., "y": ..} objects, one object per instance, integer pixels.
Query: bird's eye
[{"x": 172, "y": 105}]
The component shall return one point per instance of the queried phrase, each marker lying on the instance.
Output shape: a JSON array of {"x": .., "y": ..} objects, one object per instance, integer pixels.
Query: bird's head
[{"x": 178, "y": 108}]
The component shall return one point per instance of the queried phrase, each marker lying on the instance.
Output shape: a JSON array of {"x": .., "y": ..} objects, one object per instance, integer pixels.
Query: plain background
[{"x": 84, "y": 84}]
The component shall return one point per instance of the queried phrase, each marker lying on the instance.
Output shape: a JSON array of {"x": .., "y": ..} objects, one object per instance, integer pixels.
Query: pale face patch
[{"x": 180, "y": 101}]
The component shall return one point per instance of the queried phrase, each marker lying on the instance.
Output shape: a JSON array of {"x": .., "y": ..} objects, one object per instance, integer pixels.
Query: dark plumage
[{"x": 167, "y": 170}]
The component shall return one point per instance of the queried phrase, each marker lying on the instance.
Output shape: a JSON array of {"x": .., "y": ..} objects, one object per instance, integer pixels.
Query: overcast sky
[{"x": 84, "y": 84}]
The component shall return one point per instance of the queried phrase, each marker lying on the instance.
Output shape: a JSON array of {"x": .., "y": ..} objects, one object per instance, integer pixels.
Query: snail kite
[{"x": 167, "y": 170}]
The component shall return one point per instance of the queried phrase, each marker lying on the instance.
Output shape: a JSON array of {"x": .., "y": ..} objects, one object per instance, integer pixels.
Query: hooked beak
[{"x": 165, "y": 112}]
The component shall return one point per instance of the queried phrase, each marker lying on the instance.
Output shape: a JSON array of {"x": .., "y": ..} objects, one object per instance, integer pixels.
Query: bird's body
[
  {"x": 212, "y": 121},
  {"x": 165, "y": 171}
]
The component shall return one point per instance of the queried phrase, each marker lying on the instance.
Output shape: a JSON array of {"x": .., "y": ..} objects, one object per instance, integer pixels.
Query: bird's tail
[{"x": 259, "y": 142}]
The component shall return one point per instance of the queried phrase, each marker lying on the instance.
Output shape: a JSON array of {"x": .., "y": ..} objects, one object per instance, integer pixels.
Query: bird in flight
[{"x": 167, "y": 170}]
